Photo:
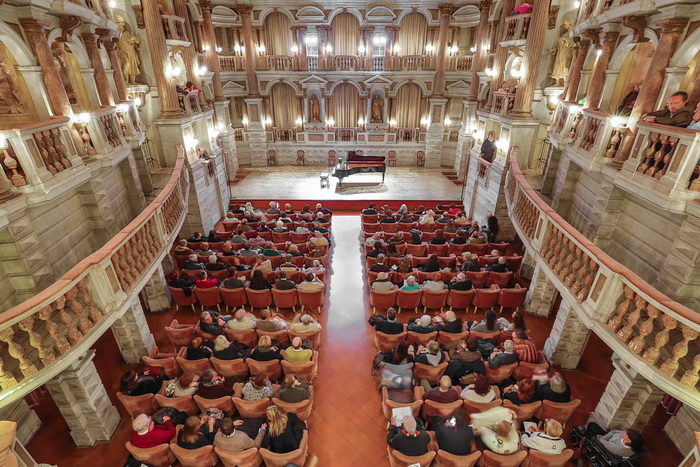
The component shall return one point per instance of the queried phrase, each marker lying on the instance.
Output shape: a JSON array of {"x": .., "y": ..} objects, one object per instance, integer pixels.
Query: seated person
[
  {"x": 258, "y": 281},
  {"x": 182, "y": 249},
  {"x": 453, "y": 435},
  {"x": 496, "y": 430},
  {"x": 379, "y": 266},
  {"x": 549, "y": 441},
  {"x": 293, "y": 391},
  {"x": 427, "y": 218},
  {"x": 177, "y": 282},
  {"x": 443, "y": 394},
  {"x": 279, "y": 227},
  {"x": 451, "y": 266},
  {"x": 284, "y": 432},
  {"x": 405, "y": 265},
  {"x": 623, "y": 443},
  {"x": 225, "y": 350},
  {"x": 374, "y": 239},
  {"x": 377, "y": 249},
  {"x": 422, "y": 325},
  {"x": 236, "y": 209},
  {"x": 461, "y": 220},
  {"x": 227, "y": 250},
  {"x": 460, "y": 238},
  {"x": 212, "y": 386},
  {"x": 263, "y": 264},
  {"x": 199, "y": 348},
  {"x": 270, "y": 250},
  {"x": 232, "y": 282},
  {"x": 258, "y": 387},
  {"x": 432, "y": 264},
  {"x": 382, "y": 283},
  {"x": 231, "y": 440},
  {"x": 270, "y": 324},
  {"x": 282, "y": 283},
  {"x": 294, "y": 251},
  {"x": 311, "y": 283},
  {"x": 134, "y": 384},
  {"x": 477, "y": 238},
  {"x": 396, "y": 239},
  {"x": 316, "y": 268},
  {"x": 553, "y": 389},
  {"x": 695, "y": 124},
  {"x": 676, "y": 113},
  {"x": 452, "y": 323},
  {"x": 507, "y": 356},
  {"x": 406, "y": 438},
  {"x": 521, "y": 393},
  {"x": 410, "y": 284},
  {"x": 430, "y": 355},
  {"x": 321, "y": 208},
  {"x": 192, "y": 264},
  {"x": 500, "y": 266},
  {"x": 231, "y": 218},
  {"x": 273, "y": 209},
  {"x": 518, "y": 322},
  {"x": 213, "y": 322},
  {"x": 525, "y": 347},
  {"x": 214, "y": 237},
  {"x": 439, "y": 238},
  {"x": 196, "y": 238},
  {"x": 204, "y": 282},
  {"x": 318, "y": 240},
  {"x": 242, "y": 321},
  {"x": 460, "y": 283},
  {"x": 303, "y": 227},
  {"x": 435, "y": 284},
  {"x": 392, "y": 251},
  {"x": 204, "y": 250},
  {"x": 284, "y": 218},
  {"x": 443, "y": 219},
  {"x": 370, "y": 211},
  {"x": 454, "y": 209},
  {"x": 390, "y": 325},
  {"x": 388, "y": 217},
  {"x": 147, "y": 434},
  {"x": 265, "y": 352},
  {"x": 489, "y": 324},
  {"x": 480, "y": 391},
  {"x": 287, "y": 267},
  {"x": 288, "y": 209},
  {"x": 295, "y": 353},
  {"x": 304, "y": 323},
  {"x": 256, "y": 240},
  {"x": 184, "y": 385},
  {"x": 470, "y": 263},
  {"x": 197, "y": 432}
]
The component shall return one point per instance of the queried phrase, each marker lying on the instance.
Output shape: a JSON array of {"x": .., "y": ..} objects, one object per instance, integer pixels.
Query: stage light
[
  {"x": 361, "y": 49},
  {"x": 429, "y": 48},
  {"x": 295, "y": 49}
]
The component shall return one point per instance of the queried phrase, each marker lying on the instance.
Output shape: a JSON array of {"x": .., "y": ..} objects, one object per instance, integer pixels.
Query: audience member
[
  {"x": 204, "y": 282},
  {"x": 258, "y": 387},
  {"x": 422, "y": 325},
  {"x": 470, "y": 263},
  {"x": 241, "y": 321},
  {"x": 264, "y": 351},
  {"x": 379, "y": 266},
  {"x": 525, "y": 347},
  {"x": 231, "y": 218},
  {"x": 521, "y": 393},
  {"x": 134, "y": 384},
  {"x": 182, "y": 248},
  {"x": 695, "y": 124},
  {"x": 549, "y": 441},
  {"x": 433, "y": 356},
  {"x": 390, "y": 325},
  {"x": 232, "y": 282},
  {"x": 269, "y": 324},
  {"x": 507, "y": 356},
  {"x": 184, "y": 385},
  {"x": 369, "y": 211},
  {"x": 427, "y": 218},
  {"x": 284, "y": 431},
  {"x": 146, "y": 434},
  {"x": 676, "y": 113},
  {"x": 311, "y": 283},
  {"x": 443, "y": 394},
  {"x": 225, "y": 350},
  {"x": 177, "y": 282},
  {"x": 293, "y": 391},
  {"x": 480, "y": 391},
  {"x": 377, "y": 249},
  {"x": 496, "y": 430},
  {"x": 229, "y": 439},
  {"x": 488, "y": 147},
  {"x": 199, "y": 348},
  {"x": 489, "y": 324},
  {"x": 382, "y": 283},
  {"x": 192, "y": 264},
  {"x": 282, "y": 283},
  {"x": 408, "y": 440},
  {"x": 453, "y": 435},
  {"x": 296, "y": 354},
  {"x": 197, "y": 432},
  {"x": 258, "y": 281},
  {"x": 213, "y": 322},
  {"x": 410, "y": 284},
  {"x": 460, "y": 282},
  {"x": 623, "y": 443},
  {"x": 304, "y": 323},
  {"x": 212, "y": 386},
  {"x": 431, "y": 264},
  {"x": 435, "y": 284},
  {"x": 553, "y": 389},
  {"x": 452, "y": 323},
  {"x": 500, "y": 266}
]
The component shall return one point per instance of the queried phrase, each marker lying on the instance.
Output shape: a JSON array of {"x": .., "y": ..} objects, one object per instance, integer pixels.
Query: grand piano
[{"x": 356, "y": 164}]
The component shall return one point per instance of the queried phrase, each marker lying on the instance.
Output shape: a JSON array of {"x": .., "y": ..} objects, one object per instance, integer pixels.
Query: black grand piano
[{"x": 357, "y": 164}]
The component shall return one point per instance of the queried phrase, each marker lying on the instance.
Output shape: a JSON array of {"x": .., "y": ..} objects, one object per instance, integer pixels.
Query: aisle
[{"x": 346, "y": 426}]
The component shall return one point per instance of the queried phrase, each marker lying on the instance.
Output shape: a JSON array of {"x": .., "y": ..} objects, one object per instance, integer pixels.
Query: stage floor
[{"x": 294, "y": 182}]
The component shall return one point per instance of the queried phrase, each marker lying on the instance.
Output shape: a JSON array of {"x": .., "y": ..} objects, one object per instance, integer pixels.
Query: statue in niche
[
  {"x": 377, "y": 110},
  {"x": 314, "y": 110},
  {"x": 128, "y": 48},
  {"x": 563, "y": 53},
  {"x": 11, "y": 102}
]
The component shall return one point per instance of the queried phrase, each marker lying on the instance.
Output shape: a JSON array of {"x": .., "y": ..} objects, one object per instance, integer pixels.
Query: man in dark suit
[
  {"x": 408, "y": 440},
  {"x": 452, "y": 323},
  {"x": 470, "y": 263},
  {"x": 232, "y": 282},
  {"x": 379, "y": 266},
  {"x": 370, "y": 211},
  {"x": 192, "y": 264},
  {"x": 282, "y": 283},
  {"x": 507, "y": 357},
  {"x": 389, "y": 325},
  {"x": 488, "y": 147},
  {"x": 213, "y": 322},
  {"x": 460, "y": 283},
  {"x": 500, "y": 266}
]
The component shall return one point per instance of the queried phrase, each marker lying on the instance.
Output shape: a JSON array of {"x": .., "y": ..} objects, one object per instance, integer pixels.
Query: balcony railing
[
  {"x": 231, "y": 62},
  {"x": 655, "y": 335},
  {"x": 346, "y": 134},
  {"x": 190, "y": 103},
  {"x": 312, "y": 63},
  {"x": 377, "y": 63},
  {"x": 284, "y": 134},
  {"x": 278, "y": 63},
  {"x": 342, "y": 62},
  {"x": 174, "y": 28},
  {"x": 48, "y": 332},
  {"x": 516, "y": 27},
  {"x": 566, "y": 121},
  {"x": 502, "y": 102},
  {"x": 405, "y": 135},
  {"x": 412, "y": 62},
  {"x": 461, "y": 62}
]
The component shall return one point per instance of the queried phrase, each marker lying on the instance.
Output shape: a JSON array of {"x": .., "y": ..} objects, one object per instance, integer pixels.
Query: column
[
  {"x": 35, "y": 29},
  {"x": 441, "y": 50},
  {"x": 531, "y": 60},
  {"x": 540, "y": 297},
  {"x": 481, "y": 45},
  {"x": 119, "y": 82},
  {"x": 169, "y": 107},
  {"x": 629, "y": 399},
  {"x": 567, "y": 339},
  {"x": 595, "y": 90},
  {"x": 571, "y": 89},
  {"x": 501, "y": 54},
  {"x": 211, "y": 54},
  {"x": 103, "y": 90},
  {"x": 132, "y": 334},
  {"x": 527, "y": 267},
  {"x": 156, "y": 291},
  {"x": 80, "y": 396},
  {"x": 251, "y": 77},
  {"x": 189, "y": 53},
  {"x": 299, "y": 32}
]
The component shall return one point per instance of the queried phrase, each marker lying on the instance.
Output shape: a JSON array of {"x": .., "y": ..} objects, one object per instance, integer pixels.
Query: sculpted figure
[
  {"x": 377, "y": 108},
  {"x": 314, "y": 110},
  {"x": 564, "y": 51},
  {"x": 128, "y": 47}
]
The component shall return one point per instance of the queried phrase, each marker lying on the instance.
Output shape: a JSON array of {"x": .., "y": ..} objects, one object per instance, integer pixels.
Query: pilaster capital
[
  {"x": 484, "y": 5},
  {"x": 244, "y": 9},
  {"x": 301, "y": 28},
  {"x": 34, "y": 26},
  {"x": 206, "y": 5},
  {"x": 594, "y": 36},
  {"x": 110, "y": 44},
  {"x": 446, "y": 10},
  {"x": 672, "y": 25},
  {"x": 609, "y": 36}
]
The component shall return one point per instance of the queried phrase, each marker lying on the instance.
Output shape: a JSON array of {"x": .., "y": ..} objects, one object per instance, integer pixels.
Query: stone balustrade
[
  {"x": 516, "y": 29},
  {"x": 190, "y": 103},
  {"x": 566, "y": 121},
  {"x": 413, "y": 63},
  {"x": 502, "y": 102},
  {"x": 51, "y": 330},
  {"x": 174, "y": 28},
  {"x": 231, "y": 62},
  {"x": 460, "y": 63},
  {"x": 407, "y": 134},
  {"x": 598, "y": 137},
  {"x": 283, "y": 134},
  {"x": 650, "y": 332},
  {"x": 279, "y": 63}
]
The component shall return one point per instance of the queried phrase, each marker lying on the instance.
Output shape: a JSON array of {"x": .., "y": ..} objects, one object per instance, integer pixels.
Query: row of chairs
[
  {"x": 271, "y": 276},
  {"x": 456, "y": 299},
  {"x": 373, "y": 218},
  {"x": 425, "y": 248},
  {"x": 239, "y": 298},
  {"x": 275, "y": 237},
  {"x": 393, "y": 227},
  {"x": 479, "y": 279},
  {"x": 232, "y": 260},
  {"x": 274, "y": 217}
]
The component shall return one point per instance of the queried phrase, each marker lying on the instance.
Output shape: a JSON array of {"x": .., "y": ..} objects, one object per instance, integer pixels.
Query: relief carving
[
  {"x": 69, "y": 24},
  {"x": 11, "y": 101},
  {"x": 637, "y": 25}
]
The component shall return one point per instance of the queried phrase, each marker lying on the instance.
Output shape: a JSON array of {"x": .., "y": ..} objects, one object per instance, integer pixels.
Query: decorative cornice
[
  {"x": 32, "y": 25},
  {"x": 637, "y": 24},
  {"x": 672, "y": 25},
  {"x": 243, "y": 9},
  {"x": 594, "y": 36}
]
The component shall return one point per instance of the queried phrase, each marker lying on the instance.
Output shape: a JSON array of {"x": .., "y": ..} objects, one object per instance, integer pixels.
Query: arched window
[
  {"x": 408, "y": 106},
  {"x": 414, "y": 29},
  {"x": 285, "y": 106},
  {"x": 346, "y": 105},
  {"x": 278, "y": 34},
  {"x": 346, "y": 34}
]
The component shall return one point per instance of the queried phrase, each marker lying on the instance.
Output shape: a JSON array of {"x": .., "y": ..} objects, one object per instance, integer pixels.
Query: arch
[
  {"x": 277, "y": 33},
  {"x": 17, "y": 106},
  {"x": 15, "y": 44},
  {"x": 687, "y": 50},
  {"x": 414, "y": 33},
  {"x": 346, "y": 105},
  {"x": 420, "y": 84},
  {"x": 625, "y": 46},
  {"x": 284, "y": 105},
  {"x": 268, "y": 11},
  {"x": 345, "y": 33},
  {"x": 297, "y": 91},
  {"x": 195, "y": 12},
  {"x": 223, "y": 16},
  {"x": 380, "y": 14},
  {"x": 77, "y": 47},
  {"x": 338, "y": 83},
  {"x": 422, "y": 11},
  {"x": 468, "y": 15},
  {"x": 407, "y": 109},
  {"x": 353, "y": 11}
]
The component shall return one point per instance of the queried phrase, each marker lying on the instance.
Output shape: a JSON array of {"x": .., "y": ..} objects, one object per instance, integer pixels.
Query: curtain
[
  {"x": 408, "y": 106},
  {"x": 346, "y": 105},
  {"x": 412, "y": 35},
  {"x": 346, "y": 34},
  {"x": 285, "y": 106},
  {"x": 278, "y": 34}
]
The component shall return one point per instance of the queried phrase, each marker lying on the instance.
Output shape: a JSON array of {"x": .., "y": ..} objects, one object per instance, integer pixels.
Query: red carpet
[{"x": 349, "y": 205}]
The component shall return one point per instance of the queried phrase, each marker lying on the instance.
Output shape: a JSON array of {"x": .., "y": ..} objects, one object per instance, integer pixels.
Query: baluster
[
  {"x": 39, "y": 139},
  {"x": 58, "y": 145},
  {"x": 7, "y": 379},
  {"x": 622, "y": 309},
  {"x": 16, "y": 351},
  {"x": 649, "y": 153},
  {"x": 625, "y": 333},
  {"x": 638, "y": 343},
  {"x": 74, "y": 305},
  {"x": 53, "y": 153},
  {"x": 46, "y": 354},
  {"x": 658, "y": 157},
  {"x": 73, "y": 334},
  {"x": 670, "y": 366},
  {"x": 690, "y": 377},
  {"x": 94, "y": 312},
  {"x": 61, "y": 344},
  {"x": 614, "y": 141},
  {"x": 660, "y": 340},
  {"x": 668, "y": 155}
]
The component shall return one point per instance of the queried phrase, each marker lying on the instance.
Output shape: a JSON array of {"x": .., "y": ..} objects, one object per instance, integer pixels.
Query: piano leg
[{"x": 383, "y": 173}]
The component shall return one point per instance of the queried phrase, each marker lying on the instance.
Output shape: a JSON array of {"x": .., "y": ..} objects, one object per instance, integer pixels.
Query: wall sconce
[
  {"x": 122, "y": 108},
  {"x": 295, "y": 50},
  {"x": 392, "y": 123},
  {"x": 219, "y": 50},
  {"x": 379, "y": 40},
  {"x": 448, "y": 121},
  {"x": 329, "y": 49},
  {"x": 618, "y": 122},
  {"x": 172, "y": 72},
  {"x": 3, "y": 142},
  {"x": 598, "y": 53},
  {"x": 213, "y": 133},
  {"x": 190, "y": 142},
  {"x": 473, "y": 48},
  {"x": 429, "y": 48},
  {"x": 577, "y": 4},
  {"x": 485, "y": 49},
  {"x": 516, "y": 73},
  {"x": 206, "y": 47},
  {"x": 330, "y": 123},
  {"x": 361, "y": 123},
  {"x": 81, "y": 118},
  {"x": 361, "y": 49},
  {"x": 237, "y": 48},
  {"x": 268, "y": 122},
  {"x": 261, "y": 49},
  {"x": 425, "y": 121},
  {"x": 200, "y": 71},
  {"x": 298, "y": 121},
  {"x": 454, "y": 49},
  {"x": 490, "y": 72},
  {"x": 502, "y": 146},
  {"x": 397, "y": 48},
  {"x": 575, "y": 109},
  {"x": 552, "y": 103},
  {"x": 311, "y": 39},
  {"x": 138, "y": 101},
  {"x": 244, "y": 121}
]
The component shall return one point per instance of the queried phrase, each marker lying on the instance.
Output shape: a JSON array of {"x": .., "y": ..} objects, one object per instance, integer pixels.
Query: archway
[
  {"x": 413, "y": 34},
  {"x": 285, "y": 107},
  {"x": 346, "y": 34}
]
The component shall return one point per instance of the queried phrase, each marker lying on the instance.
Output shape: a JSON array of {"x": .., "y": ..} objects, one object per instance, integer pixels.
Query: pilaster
[
  {"x": 131, "y": 331},
  {"x": 434, "y": 135},
  {"x": 572, "y": 84},
  {"x": 481, "y": 46},
  {"x": 257, "y": 138},
  {"x": 541, "y": 295},
  {"x": 567, "y": 339},
  {"x": 445, "y": 12},
  {"x": 156, "y": 291},
  {"x": 81, "y": 397},
  {"x": 103, "y": 90},
  {"x": 595, "y": 90}
]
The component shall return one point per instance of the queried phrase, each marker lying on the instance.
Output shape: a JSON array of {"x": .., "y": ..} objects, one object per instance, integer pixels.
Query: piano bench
[{"x": 325, "y": 181}]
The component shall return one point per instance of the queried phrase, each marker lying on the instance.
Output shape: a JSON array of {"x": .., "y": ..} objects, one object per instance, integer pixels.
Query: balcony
[
  {"x": 175, "y": 31},
  {"x": 460, "y": 63},
  {"x": 516, "y": 28},
  {"x": 502, "y": 103},
  {"x": 654, "y": 335},
  {"x": 190, "y": 103},
  {"x": 231, "y": 62},
  {"x": 278, "y": 63},
  {"x": 565, "y": 122}
]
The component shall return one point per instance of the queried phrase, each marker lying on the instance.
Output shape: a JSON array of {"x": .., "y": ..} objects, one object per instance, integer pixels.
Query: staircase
[
  {"x": 452, "y": 176},
  {"x": 240, "y": 175}
]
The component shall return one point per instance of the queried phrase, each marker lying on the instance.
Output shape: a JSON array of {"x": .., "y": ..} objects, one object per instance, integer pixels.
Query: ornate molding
[
  {"x": 69, "y": 24},
  {"x": 243, "y": 9},
  {"x": 637, "y": 24},
  {"x": 594, "y": 36},
  {"x": 672, "y": 25}
]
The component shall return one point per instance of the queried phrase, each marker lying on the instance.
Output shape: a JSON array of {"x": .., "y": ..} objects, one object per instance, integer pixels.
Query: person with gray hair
[
  {"x": 435, "y": 284},
  {"x": 279, "y": 227},
  {"x": 379, "y": 266},
  {"x": 273, "y": 209},
  {"x": 214, "y": 265},
  {"x": 213, "y": 322},
  {"x": 410, "y": 284},
  {"x": 182, "y": 248},
  {"x": 382, "y": 283},
  {"x": 412, "y": 440},
  {"x": 241, "y": 321},
  {"x": 460, "y": 282},
  {"x": 422, "y": 326},
  {"x": 304, "y": 323},
  {"x": 193, "y": 264},
  {"x": 147, "y": 434},
  {"x": 451, "y": 324},
  {"x": 263, "y": 264},
  {"x": 506, "y": 357},
  {"x": 311, "y": 283},
  {"x": 430, "y": 355}
]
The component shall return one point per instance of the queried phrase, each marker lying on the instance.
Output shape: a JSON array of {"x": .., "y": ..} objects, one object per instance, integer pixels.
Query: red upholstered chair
[
  {"x": 460, "y": 299},
  {"x": 136, "y": 405},
  {"x": 408, "y": 299},
  {"x": 445, "y": 459},
  {"x": 182, "y": 403},
  {"x": 280, "y": 237},
  {"x": 315, "y": 337},
  {"x": 486, "y": 335},
  {"x": 208, "y": 297},
  {"x": 457, "y": 248},
  {"x": 224, "y": 403},
  {"x": 168, "y": 364},
  {"x": 181, "y": 299},
  {"x": 301, "y": 409},
  {"x": 557, "y": 410},
  {"x": 445, "y": 410},
  {"x": 417, "y": 250},
  {"x": 385, "y": 342},
  {"x": 382, "y": 300},
  {"x": 396, "y": 459},
  {"x": 390, "y": 227},
  {"x": 158, "y": 456},
  {"x": 280, "y": 335},
  {"x": 248, "y": 458},
  {"x": 188, "y": 274},
  {"x": 540, "y": 459},
  {"x": 234, "y": 298},
  {"x": 369, "y": 218},
  {"x": 271, "y": 369},
  {"x": 523, "y": 412},
  {"x": 200, "y": 457},
  {"x": 371, "y": 227},
  {"x": 331, "y": 158},
  {"x": 285, "y": 299},
  {"x": 501, "y": 247},
  {"x": 180, "y": 334},
  {"x": 230, "y": 368},
  {"x": 514, "y": 262},
  {"x": 388, "y": 404},
  {"x": 478, "y": 278},
  {"x": 445, "y": 338},
  {"x": 476, "y": 407},
  {"x": 259, "y": 298},
  {"x": 512, "y": 298},
  {"x": 486, "y": 261},
  {"x": 485, "y": 299},
  {"x": 491, "y": 459},
  {"x": 526, "y": 370},
  {"x": 407, "y": 226},
  {"x": 440, "y": 250},
  {"x": 300, "y": 238},
  {"x": 477, "y": 248},
  {"x": 429, "y": 372},
  {"x": 498, "y": 375},
  {"x": 203, "y": 334},
  {"x": 311, "y": 299},
  {"x": 417, "y": 338},
  {"x": 220, "y": 275},
  {"x": 297, "y": 456},
  {"x": 433, "y": 300},
  {"x": 501, "y": 279},
  {"x": 197, "y": 367},
  {"x": 248, "y": 338}
]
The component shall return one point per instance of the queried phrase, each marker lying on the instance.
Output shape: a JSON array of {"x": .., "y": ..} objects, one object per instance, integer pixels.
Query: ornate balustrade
[
  {"x": 48, "y": 332},
  {"x": 412, "y": 63},
  {"x": 484, "y": 171},
  {"x": 277, "y": 63},
  {"x": 190, "y": 103},
  {"x": 566, "y": 121},
  {"x": 312, "y": 63},
  {"x": 502, "y": 102},
  {"x": 346, "y": 134},
  {"x": 461, "y": 62},
  {"x": 284, "y": 134},
  {"x": 342, "y": 62},
  {"x": 377, "y": 64},
  {"x": 174, "y": 28},
  {"x": 516, "y": 27},
  {"x": 598, "y": 137},
  {"x": 407, "y": 134},
  {"x": 231, "y": 62},
  {"x": 652, "y": 333}
]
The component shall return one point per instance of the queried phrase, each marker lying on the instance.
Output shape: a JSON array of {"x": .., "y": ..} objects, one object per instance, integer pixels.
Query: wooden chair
[
  {"x": 434, "y": 299},
  {"x": 271, "y": 369},
  {"x": 445, "y": 410},
  {"x": 197, "y": 367},
  {"x": 429, "y": 372},
  {"x": 559, "y": 411},
  {"x": 301, "y": 409},
  {"x": 396, "y": 459},
  {"x": 417, "y": 338},
  {"x": 157, "y": 456},
  {"x": 224, "y": 403},
  {"x": 501, "y": 373},
  {"x": 445, "y": 459},
  {"x": 248, "y": 338},
  {"x": 285, "y": 299},
  {"x": 136, "y": 405},
  {"x": 419, "y": 250},
  {"x": 392, "y": 158},
  {"x": 183, "y": 403},
  {"x": 540, "y": 459},
  {"x": 385, "y": 342},
  {"x": 491, "y": 459},
  {"x": 440, "y": 250},
  {"x": 388, "y": 404},
  {"x": 297, "y": 456},
  {"x": 420, "y": 158},
  {"x": 200, "y": 457},
  {"x": 259, "y": 298},
  {"x": 180, "y": 299},
  {"x": 311, "y": 299},
  {"x": 408, "y": 299},
  {"x": 248, "y": 458},
  {"x": 382, "y": 300},
  {"x": 271, "y": 157},
  {"x": 230, "y": 368},
  {"x": 331, "y": 159},
  {"x": 301, "y": 160}
]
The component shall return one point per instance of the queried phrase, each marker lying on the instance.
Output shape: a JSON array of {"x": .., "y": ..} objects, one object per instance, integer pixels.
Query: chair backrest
[
  {"x": 234, "y": 297},
  {"x": 248, "y": 458},
  {"x": 208, "y": 297},
  {"x": 315, "y": 337},
  {"x": 301, "y": 409},
  {"x": 280, "y": 335},
  {"x": 179, "y": 334},
  {"x": 477, "y": 407},
  {"x": 157, "y": 456},
  {"x": 311, "y": 298},
  {"x": 540, "y": 459},
  {"x": 445, "y": 459},
  {"x": 248, "y": 337},
  {"x": 272, "y": 369},
  {"x": 230, "y": 368},
  {"x": 259, "y": 298},
  {"x": 384, "y": 342},
  {"x": 559, "y": 411},
  {"x": 136, "y": 405},
  {"x": 251, "y": 409},
  {"x": 429, "y": 372},
  {"x": 224, "y": 403},
  {"x": 491, "y": 459},
  {"x": 297, "y": 456},
  {"x": 200, "y": 457},
  {"x": 444, "y": 410},
  {"x": 524, "y": 411},
  {"x": 182, "y": 403},
  {"x": 396, "y": 459},
  {"x": 419, "y": 338},
  {"x": 498, "y": 375},
  {"x": 180, "y": 298},
  {"x": 408, "y": 298}
]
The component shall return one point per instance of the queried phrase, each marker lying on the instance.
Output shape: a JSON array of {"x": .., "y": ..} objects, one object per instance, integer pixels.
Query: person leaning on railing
[
  {"x": 678, "y": 112},
  {"x": 488, "y": 147}
]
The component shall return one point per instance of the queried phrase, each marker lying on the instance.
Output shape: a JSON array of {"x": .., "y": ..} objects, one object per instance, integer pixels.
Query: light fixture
[
  {"x": 360, "y": 121},
  {"x": 213, "y": 133},
  {"x": 485, "y": 48},
  {"x": 454, "y": 49},
  {"x": 429, "y": 48},
  {"x": 502, "y": 145},
  {"x": 490, "y": 72},
  {"x": 219, "y": 50},
  {"x": 574, "y": 109},
  {"x": 206, "y": 47},
  {"x": 598, "y": 53},
  {"x": 295, "y": 49},
  {"x": 378, "y": 39},
  {"x": 448, "y": 121},
  {"x": 261, "y": 49},
  {"x": 424, "y": 121},
  {"x": 473, "y": 49},
  {"x": 554, "y": 100},
  {"x": 617, "y": 122},
  {"x": 361, "y": 49},
  {"x": 200, "y": 71},
  {"x": 172, "y": 71},
  {"x": 244, "y": 121},
  {"x": 237, "y": 48},
  {"x": 397, "y": 48},
  {"x": 577, "y": 4},
  {"x": 311, "y": 39},
  {"x": 268, "y": 121},
  {"x": 138, "y": 101},
  {"x": 84, "y": 118},
  {"x": 190, "y": 142},
  {"x": 329, "y": 49},
  {"x": 476, "y": 133},
  {"x": 122, "y": 108},
  {"x": 330, "y": 122},
  {"x": 392, "y": 122},
  {"x": 299, "y": 121},
  {"x": 112, "y": 4}
]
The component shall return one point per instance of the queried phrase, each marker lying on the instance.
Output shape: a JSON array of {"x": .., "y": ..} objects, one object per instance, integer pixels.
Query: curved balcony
[
  {"x": 515, "y": 31},
  {"x": 650, "y": 332},
  {"x": 48, "y": 332}
]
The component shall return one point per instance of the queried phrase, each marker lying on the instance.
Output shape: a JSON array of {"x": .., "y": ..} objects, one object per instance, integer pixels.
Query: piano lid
[{"x": 352, "y": 157}]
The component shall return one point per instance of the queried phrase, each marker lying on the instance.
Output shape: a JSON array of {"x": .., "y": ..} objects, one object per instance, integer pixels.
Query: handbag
[
  {"x": 468, "y": 378},
  {"x": 215, "y": 413},
  {"x": 165, "y": 412}
]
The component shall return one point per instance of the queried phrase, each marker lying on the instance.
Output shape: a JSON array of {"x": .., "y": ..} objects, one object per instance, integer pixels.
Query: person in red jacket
[
  {"x": 147, "y": 434},
  {"x": 204, "y": 282}
]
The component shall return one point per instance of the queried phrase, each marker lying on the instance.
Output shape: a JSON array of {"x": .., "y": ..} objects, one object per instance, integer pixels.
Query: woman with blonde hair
[
  {"x": 265, "y": 352},
  {"x": 225, "y": 350},
  {"x": 284, "y": 431}
]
